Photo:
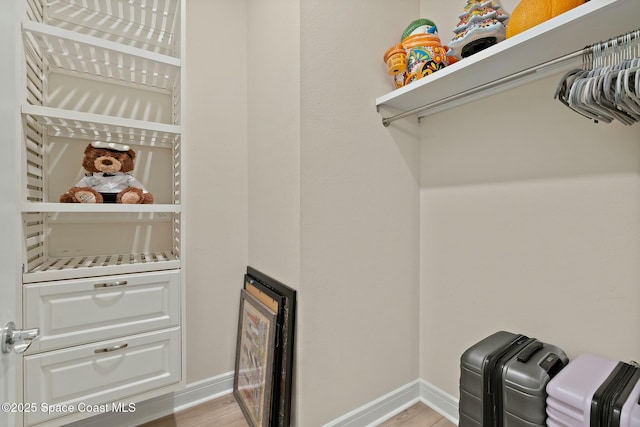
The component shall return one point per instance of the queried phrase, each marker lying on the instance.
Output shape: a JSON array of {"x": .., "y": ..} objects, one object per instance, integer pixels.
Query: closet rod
[
  {"x": 558, "y": 64},
  {"x": 554, "y": 63}
]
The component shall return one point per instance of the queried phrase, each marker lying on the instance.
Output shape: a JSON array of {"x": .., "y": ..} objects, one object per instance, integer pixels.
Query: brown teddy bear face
[{"x": 107, "y": 161}]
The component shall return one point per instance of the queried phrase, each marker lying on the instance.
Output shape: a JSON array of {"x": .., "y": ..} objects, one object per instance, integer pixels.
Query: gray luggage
[{"x": 503, "y": 380}]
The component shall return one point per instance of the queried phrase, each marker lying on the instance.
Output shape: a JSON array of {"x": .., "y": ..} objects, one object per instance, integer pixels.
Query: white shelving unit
[
  {"x": 108, "y": 41},
  {"x": 101, "y": 280},
  {"x": 517, "y": 60}
]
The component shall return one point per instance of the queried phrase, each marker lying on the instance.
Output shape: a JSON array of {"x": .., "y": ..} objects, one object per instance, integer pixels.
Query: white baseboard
[
  {"x": 369, "y": 415},
  {"x": 391, "y": 404},
  {"x": 380, "y": 409},
  {"x": 191, "y": 395},
  {"x": 442, "y": 402}
]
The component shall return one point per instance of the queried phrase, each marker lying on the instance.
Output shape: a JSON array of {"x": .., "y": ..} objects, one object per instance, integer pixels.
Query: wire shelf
[
  {"x": 94, "y": 57},
  {"x": 89, "y": 126},
  {"x": 101, "y": 265},
  {"x": 145, "y": 24}
]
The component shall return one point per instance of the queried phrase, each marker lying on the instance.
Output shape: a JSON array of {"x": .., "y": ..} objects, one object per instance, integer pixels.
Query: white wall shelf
[
  {"x": 87, "y": 55},
  {"x": 465, "y": 80},
  {"x": 100, "y": 265},
  {"x": 89, "y": 126},
  {"x": 150, "y": 25}
]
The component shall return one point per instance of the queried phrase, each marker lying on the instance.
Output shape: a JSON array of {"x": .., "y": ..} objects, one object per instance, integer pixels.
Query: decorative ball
[{"x": 529, "y": 13}]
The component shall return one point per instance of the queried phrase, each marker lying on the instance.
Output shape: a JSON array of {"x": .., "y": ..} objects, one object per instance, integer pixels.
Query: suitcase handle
[
  {"x": 529, "y": 351},
  {"x": 552, "y": 364}
]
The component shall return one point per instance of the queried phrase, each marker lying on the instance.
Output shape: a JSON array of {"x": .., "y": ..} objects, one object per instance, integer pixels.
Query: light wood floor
[
  {"x": 225, "y": 412},
  {"x": 418, "y": 415}
]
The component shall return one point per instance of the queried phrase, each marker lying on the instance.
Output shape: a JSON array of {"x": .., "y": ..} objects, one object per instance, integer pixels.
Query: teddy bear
[{"x": 107, "y": 179}]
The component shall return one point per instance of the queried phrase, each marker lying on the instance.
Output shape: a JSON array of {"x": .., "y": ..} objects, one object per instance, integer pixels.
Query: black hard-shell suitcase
[{"x": 503, "y": 380}]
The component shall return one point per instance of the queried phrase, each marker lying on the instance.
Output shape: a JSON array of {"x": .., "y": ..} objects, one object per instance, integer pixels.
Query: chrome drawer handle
[
  {"x": 108, "y": 349},
  {"x": 110, "y": 284}
]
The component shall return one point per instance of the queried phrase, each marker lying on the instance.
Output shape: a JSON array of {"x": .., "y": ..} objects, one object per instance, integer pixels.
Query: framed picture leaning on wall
[
  {"x": 270, "y": 291},
  {"x": 255, "y": 355}
]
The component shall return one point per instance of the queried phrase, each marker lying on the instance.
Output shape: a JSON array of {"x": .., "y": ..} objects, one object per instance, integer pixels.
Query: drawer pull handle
[
  {"x": 108, "y": 349},
  {"x": 110, "y": 284}
]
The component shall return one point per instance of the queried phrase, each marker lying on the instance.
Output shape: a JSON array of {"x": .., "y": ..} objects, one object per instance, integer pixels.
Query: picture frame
[
  {"x": 255, "y": 356},
  {"x": 275, "y": 303},
  {"x": 285, "y": 341}
]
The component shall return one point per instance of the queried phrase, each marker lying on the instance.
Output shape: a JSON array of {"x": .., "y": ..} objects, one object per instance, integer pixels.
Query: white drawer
[
  {"x": 87, "y": 375},
  {"x": 73, "y": 312}
]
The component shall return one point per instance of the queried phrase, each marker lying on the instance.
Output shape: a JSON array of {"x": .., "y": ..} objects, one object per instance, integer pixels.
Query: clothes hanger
[
  {"x": 625, "y": 98},
  {"x": 586, "y": 93},
  {"x": 563, "y": 89},
  {"x": 606, "y": 95},
  {"x": 595, "y": 99},
  {"x": 615, "y": 82},
  {"x": 631, "y": 97},
  {"x": 580, "y": 99},
  {"x": 608, "y": 86},
  {"x": 581, "y": 96}
]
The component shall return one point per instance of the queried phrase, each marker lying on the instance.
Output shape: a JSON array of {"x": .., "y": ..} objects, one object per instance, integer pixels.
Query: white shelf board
[
  {"x": 100, "y": 265},
  {"x": 149, "y": 25},
  {"x": 77, "y": 124},
  {"x": 594, "y": 21},
  {"x": 100, "y": 58},
  {"x": 99, "y": 207}
]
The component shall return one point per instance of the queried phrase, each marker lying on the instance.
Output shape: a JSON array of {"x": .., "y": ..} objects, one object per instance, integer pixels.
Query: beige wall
[
  {"x": 273, "y": 55},
  {"x": 329, "y": 200},
  {"x": 529, "y": 223},
  {"x": 216, "y": 182},
  {"x": 359, "y": 209},
  {"x": 333, "y": 201},
  {"x": 274, "y": 138},
  {"x": 409, "y": 243}
]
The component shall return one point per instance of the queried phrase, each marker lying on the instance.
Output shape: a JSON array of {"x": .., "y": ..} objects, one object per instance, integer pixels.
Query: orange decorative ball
[{"x": 529, "y": 13}]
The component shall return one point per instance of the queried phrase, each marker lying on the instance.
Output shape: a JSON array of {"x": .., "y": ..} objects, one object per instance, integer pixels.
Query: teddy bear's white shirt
[{"x": 112, "y": 183}]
